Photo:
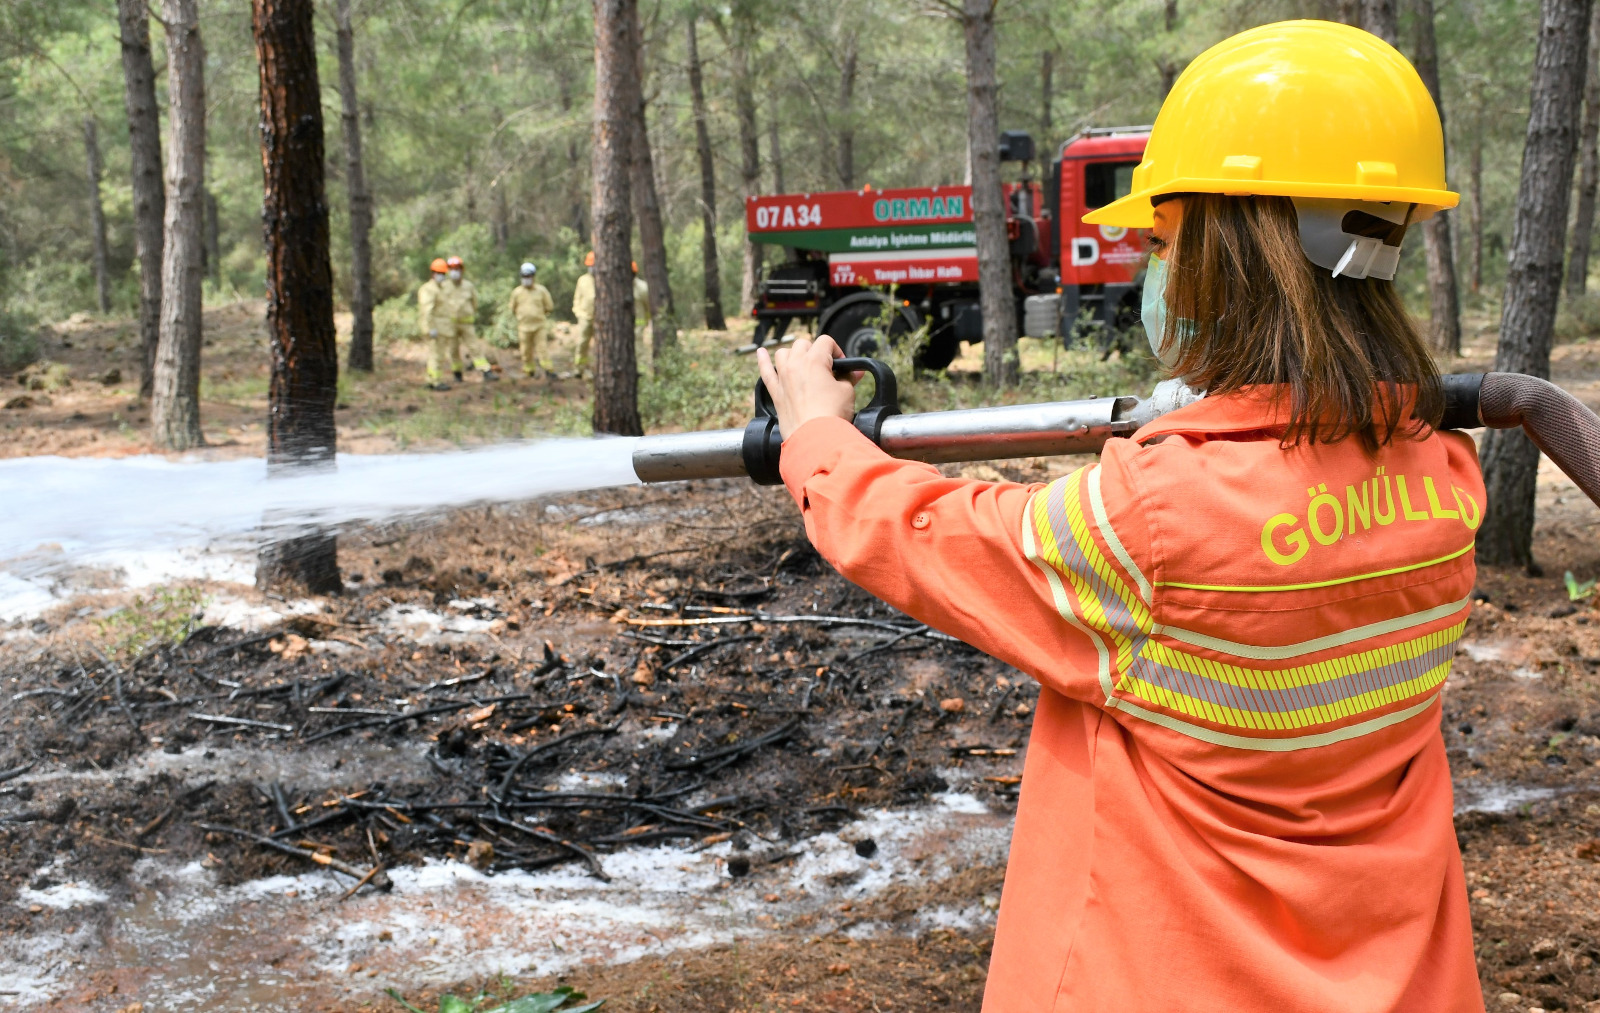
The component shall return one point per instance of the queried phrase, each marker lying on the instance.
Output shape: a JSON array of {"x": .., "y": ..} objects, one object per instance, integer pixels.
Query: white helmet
[{"x": 528, "y": 269}]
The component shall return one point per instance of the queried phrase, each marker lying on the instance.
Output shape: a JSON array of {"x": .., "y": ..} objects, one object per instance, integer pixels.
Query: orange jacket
[{"x": 1235, "y": 795}]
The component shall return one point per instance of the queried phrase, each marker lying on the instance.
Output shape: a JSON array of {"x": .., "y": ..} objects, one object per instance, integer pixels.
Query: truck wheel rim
[{"x": 863, "y": 342}]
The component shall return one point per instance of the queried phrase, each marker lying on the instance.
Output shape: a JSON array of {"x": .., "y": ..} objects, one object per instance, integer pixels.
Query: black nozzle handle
[
  {"x": 763, "y": 444},
  {"x": 1461, "y": 394}
]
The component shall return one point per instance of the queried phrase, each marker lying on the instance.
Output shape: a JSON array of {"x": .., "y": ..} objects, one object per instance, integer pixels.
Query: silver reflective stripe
[
  {"x": 1098, "y": 505},
  {"x": 1310, "y": 646}
]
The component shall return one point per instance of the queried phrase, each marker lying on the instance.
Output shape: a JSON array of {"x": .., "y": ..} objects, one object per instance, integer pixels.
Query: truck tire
[
  {"x": 858, "y": 328},
  {"x": 940, "y": 351}
]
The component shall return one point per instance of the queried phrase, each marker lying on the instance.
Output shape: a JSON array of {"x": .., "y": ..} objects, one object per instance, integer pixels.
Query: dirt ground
[{"x": 685, "y": 650}]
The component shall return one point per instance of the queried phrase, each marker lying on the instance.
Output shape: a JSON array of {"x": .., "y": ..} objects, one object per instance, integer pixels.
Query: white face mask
[
  {"x": 437, "y": 276},
  {"x": 455, "y": 274},
  {"x": 528, "y": 281}
]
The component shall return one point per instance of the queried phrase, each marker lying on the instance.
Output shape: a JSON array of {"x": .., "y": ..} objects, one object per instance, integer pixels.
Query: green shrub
[{"x": 19, "y": 344}]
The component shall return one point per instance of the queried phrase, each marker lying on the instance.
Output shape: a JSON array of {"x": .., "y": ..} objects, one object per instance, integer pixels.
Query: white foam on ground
[{"x": 446, "y": 922}]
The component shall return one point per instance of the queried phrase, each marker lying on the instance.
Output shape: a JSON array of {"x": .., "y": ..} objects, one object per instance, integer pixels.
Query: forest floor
[{"x": 639, "y": 741}]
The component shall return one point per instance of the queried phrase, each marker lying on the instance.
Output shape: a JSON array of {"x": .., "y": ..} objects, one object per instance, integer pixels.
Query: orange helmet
[
  {"x": 589, "y": 260},
  {"x": 438, "y": 266},
  {"x": 635, "y": 265},
  {"x": 454, "y": 263}
]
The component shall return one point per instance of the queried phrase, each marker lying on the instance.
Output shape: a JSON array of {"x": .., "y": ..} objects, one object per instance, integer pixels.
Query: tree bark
[
  {"x": 1047, "y": 94},
  {"x": 1348, "y": 12},
  {"x": 175, "y": 397},
  {"x": 1444, "y": 328},
  {"x": 849, "y": 61},
  {"x": 710, "y": 264},
  {"x": 1589, "y": 174},
  {"x": 580, "y": 222},
  {"x": 1475, "y": 188},
  {"x": 97, "y": 215},
  {"x": 305, "y": 361},
  {"x": 1533, "y": 271},
  {"x": 988, "y": 202},
  {"x": 616, "y": 102},
  {"x": 211, "y": 262},
  {"x": 1168, "y": 66},
  {"x": 360, "y": 198},
  {"x": 647, "y": 208},
  {"x": 775, "y": 154},
  {"x": 1381, "y": 18},
  {"x": 744, "y": 102},
  {"x": 149, "y": 201}
]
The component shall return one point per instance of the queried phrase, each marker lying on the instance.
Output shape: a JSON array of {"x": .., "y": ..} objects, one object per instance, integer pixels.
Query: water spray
[{"x": 1560, "y": 425}]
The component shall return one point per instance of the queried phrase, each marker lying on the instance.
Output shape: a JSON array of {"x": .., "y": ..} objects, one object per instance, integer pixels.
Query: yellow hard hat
[{"x": 1293, "y": 109}]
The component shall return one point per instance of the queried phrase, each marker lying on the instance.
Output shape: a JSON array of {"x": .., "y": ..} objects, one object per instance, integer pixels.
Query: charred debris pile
[{"x": 690, "y": 695}]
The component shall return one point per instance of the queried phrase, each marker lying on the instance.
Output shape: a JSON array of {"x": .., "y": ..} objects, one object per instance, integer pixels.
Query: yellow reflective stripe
[
  {"x": 1098, "y": 504},
  {"x": 1279, "y": 745},
  {"x": 1318, "y": 583},
  {"x": 1058, "y": 595},
  {"x": 1316, "y": 714},
  {"x": 1257, "y": 653}
]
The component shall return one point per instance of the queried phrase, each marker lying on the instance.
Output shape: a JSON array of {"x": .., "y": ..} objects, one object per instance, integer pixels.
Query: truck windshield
[{"x": 1104, "y": 182}]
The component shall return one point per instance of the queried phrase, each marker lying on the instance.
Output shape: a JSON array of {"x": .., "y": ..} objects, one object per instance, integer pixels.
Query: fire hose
[{"x": 1558, "y": 424}]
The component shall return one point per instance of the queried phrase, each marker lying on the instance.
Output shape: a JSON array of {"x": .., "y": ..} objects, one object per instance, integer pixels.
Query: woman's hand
[{"x": 801, "y": 381}]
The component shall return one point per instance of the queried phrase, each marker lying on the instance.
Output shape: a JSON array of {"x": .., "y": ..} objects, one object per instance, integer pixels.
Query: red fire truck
[{"x": 874, "y": 265}]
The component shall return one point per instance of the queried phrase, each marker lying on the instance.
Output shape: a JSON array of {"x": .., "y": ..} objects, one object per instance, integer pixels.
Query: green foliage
[
  {"x": 1575, "y": 590},
  {"x": 1578, "y": 319},
  {"x": 476, "y": 118},
  {"x": 538, "y": 1002},
  {"x": 19, "y": 344},
  {"x": 697, "y": 385},
  {"x": 165, "y": 615}
]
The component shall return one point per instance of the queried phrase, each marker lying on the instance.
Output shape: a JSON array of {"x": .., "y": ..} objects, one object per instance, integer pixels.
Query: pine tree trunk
[
  {"x": 212, "y": 260},
  {"x": 360, "y": 198},
  {"x": 1475, "y": 188},
  {"x": 149, "y": 200},
  {"x": 775, "y": 154},
  {"x": 175, "y": 397},
  {"x": 97, "y": 215},
  {"x": 1381, "y": 18},
  {"x": 1047, "y": 94},
  {"x": 1589, "y": 174},
  {"x": 1444, "y": 327},
  {"x": 710, "y": 263},
  {"x": 647, "y": 208},
  {"x": 616, "y": 103},
  {"x": 848, "y": 63},
  {"x": 580, "y": 221},
  {"x": 1533, "y": 272},
  {"x": 988, "y": 202},
  {"x": 294, "y": 211},
  {"x": 744, "y": 103}
]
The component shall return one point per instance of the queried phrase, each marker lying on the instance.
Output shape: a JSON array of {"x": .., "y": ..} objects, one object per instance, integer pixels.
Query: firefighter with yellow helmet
[
  {"x": 429, "y": 321},
  {"x": 530, "y": 307},
  {"x": 583, "y": 312},
  {"x": 1241, "y": 631}
]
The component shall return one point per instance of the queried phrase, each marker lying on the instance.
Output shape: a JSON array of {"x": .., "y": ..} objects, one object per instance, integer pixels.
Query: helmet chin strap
[{"x": 1353, "y": 238}]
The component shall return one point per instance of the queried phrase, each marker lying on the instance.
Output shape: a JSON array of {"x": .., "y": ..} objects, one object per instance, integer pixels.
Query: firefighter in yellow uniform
[
  {"x": 583, "y": 311},
  {"x": 428, "y": 321},
  {"x": 458, "y": 304},
  {"x": 531, "y": 306},
  {"x": 642, "y": 318}
]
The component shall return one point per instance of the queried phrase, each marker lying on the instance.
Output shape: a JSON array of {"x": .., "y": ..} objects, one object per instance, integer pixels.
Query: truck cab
[
  {"x": 876, "y": 266},
  {"x": 1102, "y": 266}
]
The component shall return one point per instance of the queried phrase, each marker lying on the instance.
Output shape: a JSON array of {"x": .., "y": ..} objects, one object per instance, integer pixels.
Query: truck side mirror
[{"x": 1016, "y": 146}]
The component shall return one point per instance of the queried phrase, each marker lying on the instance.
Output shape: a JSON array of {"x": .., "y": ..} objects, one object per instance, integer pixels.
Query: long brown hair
[{"x": 1344, "y": 351}]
